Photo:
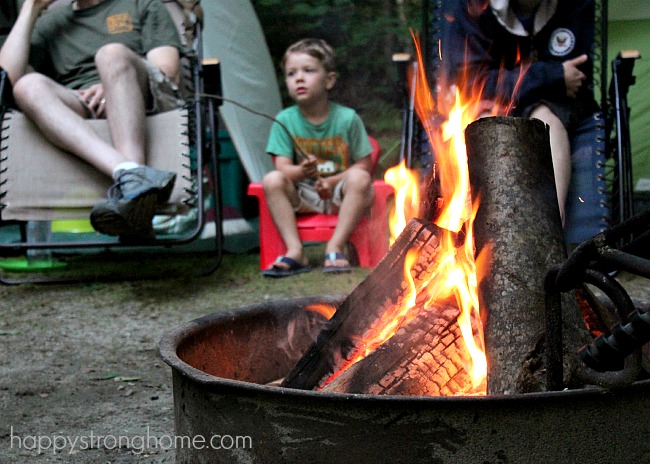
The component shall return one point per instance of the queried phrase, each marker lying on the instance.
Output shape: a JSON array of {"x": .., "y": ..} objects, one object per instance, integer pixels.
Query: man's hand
[
  {"x": 573, "y": 77},
  {"x": 94, "y": 98},
  {"x": 309, "y": 167}
]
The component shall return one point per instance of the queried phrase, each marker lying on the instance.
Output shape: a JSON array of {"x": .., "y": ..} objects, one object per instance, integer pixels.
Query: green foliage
[{"x": 364, "y": 34}]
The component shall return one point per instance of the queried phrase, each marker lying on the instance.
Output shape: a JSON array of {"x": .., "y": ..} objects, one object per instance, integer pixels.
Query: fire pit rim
[{"x": 169, "y": 342}]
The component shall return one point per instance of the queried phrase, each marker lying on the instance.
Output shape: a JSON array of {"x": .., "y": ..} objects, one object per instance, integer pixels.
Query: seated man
[{"x": 113, "y": 59}]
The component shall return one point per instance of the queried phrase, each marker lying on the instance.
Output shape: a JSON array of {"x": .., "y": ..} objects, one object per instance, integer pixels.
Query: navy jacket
[{"x": 476, "y": 35}]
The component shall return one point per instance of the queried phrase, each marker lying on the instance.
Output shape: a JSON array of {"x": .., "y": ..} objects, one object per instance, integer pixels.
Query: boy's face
[{"x": 306, "y": 78}]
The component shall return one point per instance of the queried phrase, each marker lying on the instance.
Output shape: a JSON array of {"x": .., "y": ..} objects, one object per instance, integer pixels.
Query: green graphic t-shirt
[
  {"x": 337, "y": 143},
  {"x": 64, "y": 41}
]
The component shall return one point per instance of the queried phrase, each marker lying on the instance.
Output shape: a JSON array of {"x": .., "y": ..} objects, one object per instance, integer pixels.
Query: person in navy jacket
[{"x": 533, "y": 55}]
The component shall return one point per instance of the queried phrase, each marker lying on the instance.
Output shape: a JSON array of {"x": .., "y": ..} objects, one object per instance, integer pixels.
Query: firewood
[
  {"x": 511, "y": 171},
  {"x": 383, "y": 289},
  {"x": 425, "y": 358}
]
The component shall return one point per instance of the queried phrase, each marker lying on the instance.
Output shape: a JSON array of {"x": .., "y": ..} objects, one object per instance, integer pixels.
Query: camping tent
[{"x": 234, "y": 36}]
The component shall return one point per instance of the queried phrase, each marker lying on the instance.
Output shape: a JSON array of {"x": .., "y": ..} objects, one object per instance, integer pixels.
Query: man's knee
[
  {"x": 30, "y": 88},
  {"x": 114, "y": 55}
]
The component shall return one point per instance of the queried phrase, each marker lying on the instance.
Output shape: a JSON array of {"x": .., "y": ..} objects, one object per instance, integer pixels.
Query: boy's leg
[
  {"x": 357, "y": 198},
  {"x": 280, "y": 192},
  {"x": 560, "y": 151}
]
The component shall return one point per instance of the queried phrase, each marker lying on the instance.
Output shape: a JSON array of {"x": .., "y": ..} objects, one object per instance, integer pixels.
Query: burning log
[
  {"x": 424, "y": 358},
  {"x": 384, "y": 289},
  {"x": 511, "y": 171}
]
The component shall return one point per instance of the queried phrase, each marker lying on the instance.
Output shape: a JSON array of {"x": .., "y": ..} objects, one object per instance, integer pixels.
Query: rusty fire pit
[{"x": 221, "y": 364}]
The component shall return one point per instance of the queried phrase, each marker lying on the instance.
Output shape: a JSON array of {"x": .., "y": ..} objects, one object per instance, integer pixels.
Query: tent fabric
[
  {"x": 232, "y": 34},
  {"x": 635, "y": 35}
]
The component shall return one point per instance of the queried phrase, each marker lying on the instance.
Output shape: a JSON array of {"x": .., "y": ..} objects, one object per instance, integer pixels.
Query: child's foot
[
  {"x": 283, "y": 266},
  {"x": 336, "y": 262}
]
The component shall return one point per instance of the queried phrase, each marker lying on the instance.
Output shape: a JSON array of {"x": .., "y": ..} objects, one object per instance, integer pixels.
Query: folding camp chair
[
  {"x": 39, "y": 182},
  {"x": 600, "y": 193}
]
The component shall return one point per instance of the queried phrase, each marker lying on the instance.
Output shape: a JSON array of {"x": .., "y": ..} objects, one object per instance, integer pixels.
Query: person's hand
[
  {"x": 94, "y": 98},
  {"x": 573, "y": 77},
  {"x": 324, "y": 188},
  {"x": 309, "y": 167}
]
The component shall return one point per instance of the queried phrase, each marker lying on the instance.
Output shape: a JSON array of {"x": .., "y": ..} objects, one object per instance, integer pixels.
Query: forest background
[{"x": 365, "y": 36}]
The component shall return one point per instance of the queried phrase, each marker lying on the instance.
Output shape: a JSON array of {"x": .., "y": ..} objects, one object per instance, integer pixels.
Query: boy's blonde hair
[{"x": 317, "y": 48}]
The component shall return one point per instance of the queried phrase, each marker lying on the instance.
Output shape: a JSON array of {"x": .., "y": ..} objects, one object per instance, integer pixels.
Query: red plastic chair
[{"x": 369, "y": 241}]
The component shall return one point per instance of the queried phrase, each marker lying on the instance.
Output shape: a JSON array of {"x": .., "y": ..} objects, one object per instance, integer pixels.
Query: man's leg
[
  {"x": 61, "y": 118},
  {"x": 279, "y": 191},
  {"x": 357, "y": 198},
  {"x": 560, "y": 151},
  {"x": 126, "y": 89}
]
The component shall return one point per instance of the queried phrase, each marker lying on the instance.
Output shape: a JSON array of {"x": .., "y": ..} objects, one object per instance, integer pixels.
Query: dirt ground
[{"x": 80, "y": 361}]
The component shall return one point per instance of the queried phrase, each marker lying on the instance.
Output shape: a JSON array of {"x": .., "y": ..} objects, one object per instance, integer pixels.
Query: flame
[
  {"x": 456, "y": 273},
  {"x": 325, "y": 310},
  {"x": 457, "y": 270},
  {"x": 406, "y": 184}
]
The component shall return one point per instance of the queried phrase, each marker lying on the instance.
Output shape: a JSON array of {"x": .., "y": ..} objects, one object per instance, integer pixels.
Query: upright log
[{"x": 511, "y": 172}]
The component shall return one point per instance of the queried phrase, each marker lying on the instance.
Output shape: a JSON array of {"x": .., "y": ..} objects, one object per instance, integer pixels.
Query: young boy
[{"x": 330, "y": 173}]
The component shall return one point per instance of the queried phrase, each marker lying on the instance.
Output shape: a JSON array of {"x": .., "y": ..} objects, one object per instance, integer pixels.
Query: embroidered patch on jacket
[
  {"x": 119, "y": 23},
  {"x": 561, "y": 42}
]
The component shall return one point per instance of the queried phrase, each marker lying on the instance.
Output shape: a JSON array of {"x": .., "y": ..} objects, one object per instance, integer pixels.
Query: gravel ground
[{"x": 80, "y": 361}]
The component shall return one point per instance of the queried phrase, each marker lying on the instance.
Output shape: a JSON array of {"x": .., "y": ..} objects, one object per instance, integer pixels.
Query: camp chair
[
  {"x": 39, "y": 182},
  {"x": 368, "y": 243},
  {"x": 600, "y": 193}
]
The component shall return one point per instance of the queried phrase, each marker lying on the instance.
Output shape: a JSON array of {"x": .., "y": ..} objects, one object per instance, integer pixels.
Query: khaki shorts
[
  {"x": 165, "y": 95},
  {"x": 308, "y": 200}
]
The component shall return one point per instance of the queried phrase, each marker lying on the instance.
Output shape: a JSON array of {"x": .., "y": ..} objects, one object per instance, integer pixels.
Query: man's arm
[
  {"x": 168, "y": 60},
  {"x": 14, "y": 55}
]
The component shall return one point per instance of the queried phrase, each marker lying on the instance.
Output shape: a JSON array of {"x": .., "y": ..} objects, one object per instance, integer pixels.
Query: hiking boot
[
  {"x": 125, "y": 217},
  {"x": 132, "y": 183}
]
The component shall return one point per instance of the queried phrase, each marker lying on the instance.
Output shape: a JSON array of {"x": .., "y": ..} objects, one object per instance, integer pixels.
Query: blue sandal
[
  {"x": 294, "y": 268},
  {"x": 336, "y": 269}
]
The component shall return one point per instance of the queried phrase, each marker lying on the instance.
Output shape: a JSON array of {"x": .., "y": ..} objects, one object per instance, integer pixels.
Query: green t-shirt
[
  {"x": 337, "y": 143},
  {"x": 64, "y": 41}
]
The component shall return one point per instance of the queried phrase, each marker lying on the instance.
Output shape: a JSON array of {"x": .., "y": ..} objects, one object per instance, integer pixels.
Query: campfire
[{"x": 457, "y": 305}]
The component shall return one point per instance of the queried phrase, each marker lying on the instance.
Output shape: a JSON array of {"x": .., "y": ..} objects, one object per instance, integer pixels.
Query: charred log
[
  {"x": 385, "y": 288},
  {"x": 425, "y": 358}
]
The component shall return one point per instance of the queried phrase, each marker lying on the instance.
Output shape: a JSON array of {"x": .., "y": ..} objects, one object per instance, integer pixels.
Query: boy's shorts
[
  {"x": 165, "y": 95},
  {"x": 308, "y": 200}
]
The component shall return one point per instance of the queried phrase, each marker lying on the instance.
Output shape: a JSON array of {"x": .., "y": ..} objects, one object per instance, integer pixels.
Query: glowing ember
[{"x": 325, "y": 310}]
